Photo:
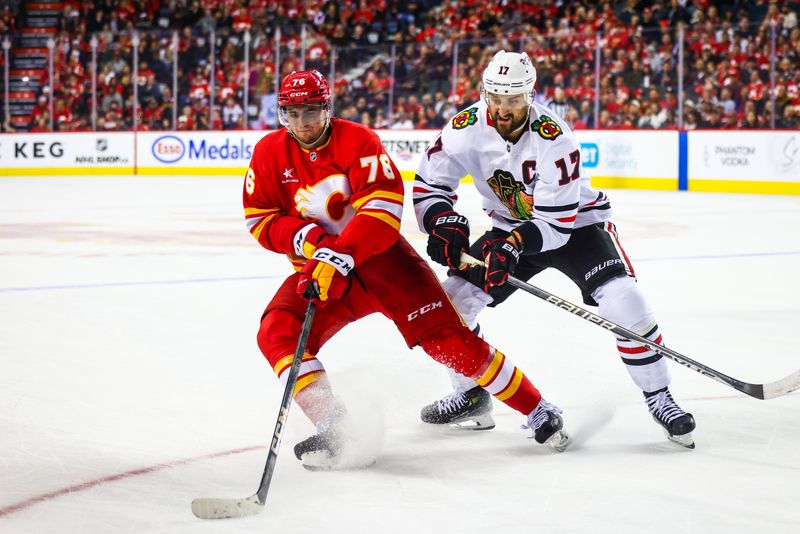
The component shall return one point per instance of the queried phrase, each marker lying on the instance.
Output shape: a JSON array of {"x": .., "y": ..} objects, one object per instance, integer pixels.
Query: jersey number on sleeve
[
  {"x": 575, "y": 159},
  {"x": 372, "y": 163},
  {"x": 250, "y": 182}
]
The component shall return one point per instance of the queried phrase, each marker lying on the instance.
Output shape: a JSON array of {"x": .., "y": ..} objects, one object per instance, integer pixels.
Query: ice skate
[
  {"x": 547, "y": 426},
  {"x": 323, "y": 450},
  {"x": 677, "y": 424},
  {"x": 470, "y": 410},
  {"x": 320, "y": 452}
]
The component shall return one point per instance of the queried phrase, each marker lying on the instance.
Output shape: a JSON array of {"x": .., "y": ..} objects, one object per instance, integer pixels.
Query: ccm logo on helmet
[{"x": 293, "y": 95}]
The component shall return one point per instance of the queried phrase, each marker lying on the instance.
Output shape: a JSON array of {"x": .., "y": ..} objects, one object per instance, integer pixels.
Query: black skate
[
  {"x": 547, "y": 426},
  {"x": 470, "y": 410},
  {"x": 677, "y": 424},
  {"x": 323, "y": 450},
  {"x": 320, "y": 452}
]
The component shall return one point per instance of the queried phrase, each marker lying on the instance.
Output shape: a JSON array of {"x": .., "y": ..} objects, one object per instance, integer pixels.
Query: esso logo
[{"x": 168, "y": 149}]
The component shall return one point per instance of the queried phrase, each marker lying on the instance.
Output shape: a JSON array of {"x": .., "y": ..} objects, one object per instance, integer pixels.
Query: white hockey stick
[
  {"x": 210, "y": 508},
  {"x": 770, "y": 390}
]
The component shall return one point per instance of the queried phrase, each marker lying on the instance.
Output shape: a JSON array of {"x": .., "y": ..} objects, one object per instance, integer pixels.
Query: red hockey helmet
[{"x": 304, "y": 87}]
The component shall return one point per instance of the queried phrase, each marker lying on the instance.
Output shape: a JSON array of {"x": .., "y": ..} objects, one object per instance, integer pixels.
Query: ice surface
[{"x": 131, "y": 383}]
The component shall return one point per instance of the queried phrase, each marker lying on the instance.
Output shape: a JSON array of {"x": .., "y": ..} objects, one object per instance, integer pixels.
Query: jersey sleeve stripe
[
  {"x": 391, "y": 220},
  {"x": 419, "y": 191},
  {"x": 419, "y": 182},
  {"x": 433, "y": 196},
  {"x": 258, "y": 228},
  {"x": 590, "y": 208},
  {"x": 386, "y": 195},
  {"x": 555, "y": 209},
  {"x": 250, "y": 223},
  {"x": 559, "y": 229},
  {"x": 249, "y": 212},
  {"x": 382, "y": 205}
]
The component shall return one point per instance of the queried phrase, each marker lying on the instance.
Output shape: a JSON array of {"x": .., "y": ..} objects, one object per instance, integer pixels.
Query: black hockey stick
[
  {"x": 210, "y": 508},
  {"x": 769, "y": 390}
]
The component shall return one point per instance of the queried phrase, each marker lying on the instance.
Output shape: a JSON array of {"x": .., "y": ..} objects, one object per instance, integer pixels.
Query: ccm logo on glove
[
  {"x": 343, "y": 262},
  {"x": 329, "y": 270}
]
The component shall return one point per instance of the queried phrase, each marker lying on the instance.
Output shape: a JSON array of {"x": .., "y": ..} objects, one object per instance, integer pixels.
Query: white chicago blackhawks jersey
[{"x": 539, "y": 178}]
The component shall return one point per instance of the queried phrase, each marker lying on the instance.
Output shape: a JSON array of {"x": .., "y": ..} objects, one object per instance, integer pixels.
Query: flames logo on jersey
[
  {"x": 512, "y": 194},
  {"x": 468, "y": 117},
  {"x": 327, "y": 202},
  {"x": 546, "y": 128}
]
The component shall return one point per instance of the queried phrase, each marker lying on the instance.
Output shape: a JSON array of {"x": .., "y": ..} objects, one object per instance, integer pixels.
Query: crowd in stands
[{"x": 394, "y": 65}]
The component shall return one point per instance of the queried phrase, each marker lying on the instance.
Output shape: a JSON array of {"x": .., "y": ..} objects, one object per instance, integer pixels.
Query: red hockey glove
[
  {"x": 329, "y": 270},
  {"x": 501, "y": 257},
  {"x": 448, "y": 238},
  {"x": 309, "y": 238}
]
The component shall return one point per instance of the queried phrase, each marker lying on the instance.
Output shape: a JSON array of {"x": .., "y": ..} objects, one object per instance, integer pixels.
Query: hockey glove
[
  {"x": 448, "y": 238},
  {"x": 330, "y": 271},
  {"x": 501, "y": 257},
  {"x": 309, "y": 238}
]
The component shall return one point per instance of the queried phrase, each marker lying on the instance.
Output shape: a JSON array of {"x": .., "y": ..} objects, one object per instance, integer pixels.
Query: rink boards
[{"x": 758, "y": 161}]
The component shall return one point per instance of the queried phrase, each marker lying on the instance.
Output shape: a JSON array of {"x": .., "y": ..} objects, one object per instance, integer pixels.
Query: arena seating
[{"x": 394, "y": 60}]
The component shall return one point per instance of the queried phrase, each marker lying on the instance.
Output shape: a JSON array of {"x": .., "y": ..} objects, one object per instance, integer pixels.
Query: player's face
[
  {"x": 508, "y": 112},
  {"x": 306, "y": 122}
]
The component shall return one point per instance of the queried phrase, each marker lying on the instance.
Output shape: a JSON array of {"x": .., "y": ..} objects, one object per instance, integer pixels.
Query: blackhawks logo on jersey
[
  {"x": 546, "y": 128},
  {"x": 468, "y": 117},
  {"x": 512, "y": 194}
]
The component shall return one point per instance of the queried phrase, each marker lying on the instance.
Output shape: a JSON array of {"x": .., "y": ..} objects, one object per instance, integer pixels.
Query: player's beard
[{"x": 508, "y": 129}]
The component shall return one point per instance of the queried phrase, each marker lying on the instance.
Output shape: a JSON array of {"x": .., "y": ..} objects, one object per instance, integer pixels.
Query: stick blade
[
  {"x": 782, "y": 387},
  {"x": 225, "y": 508}
]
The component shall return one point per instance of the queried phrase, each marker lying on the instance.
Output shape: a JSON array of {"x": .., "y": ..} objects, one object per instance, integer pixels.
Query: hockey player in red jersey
[
  {"x": 324, "y": 192},
  {"x": 525, "y": 163}
]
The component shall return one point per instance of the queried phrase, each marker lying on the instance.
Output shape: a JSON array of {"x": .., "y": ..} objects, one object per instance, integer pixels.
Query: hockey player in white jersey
[{"x": 526, "y": 164}]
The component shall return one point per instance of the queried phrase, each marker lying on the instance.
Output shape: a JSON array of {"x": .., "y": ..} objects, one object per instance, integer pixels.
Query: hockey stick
[
  {"x": 210, "y": 508},
  {"x": 769, "y": 390}
]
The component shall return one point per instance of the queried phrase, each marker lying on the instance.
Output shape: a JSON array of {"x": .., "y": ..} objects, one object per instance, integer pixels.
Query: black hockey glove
[
  {"x": 448, "y": 238},
  {"x": 501, "y": 257}
]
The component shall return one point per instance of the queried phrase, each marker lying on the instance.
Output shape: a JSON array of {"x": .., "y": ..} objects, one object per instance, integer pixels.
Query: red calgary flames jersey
[{"x": 349, "y": 186}]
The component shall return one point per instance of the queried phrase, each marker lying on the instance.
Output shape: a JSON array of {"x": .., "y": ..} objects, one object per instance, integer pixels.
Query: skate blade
[
  {"x": 481, "y": 422},
  {"x": 558, "y": 441},
  {"x": 319, "y": 461},
  {"x": 685, "y": 440},
  {"x": 322, "y": 461}
]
